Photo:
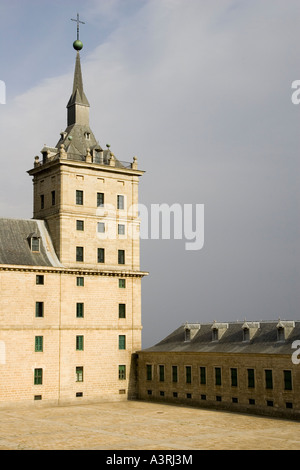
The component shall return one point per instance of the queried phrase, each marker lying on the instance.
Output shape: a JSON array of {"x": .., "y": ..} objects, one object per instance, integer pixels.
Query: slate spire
[{"x": 78, "y": 112}]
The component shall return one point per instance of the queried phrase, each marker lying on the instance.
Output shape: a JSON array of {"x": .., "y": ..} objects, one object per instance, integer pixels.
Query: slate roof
[
  {"x": 15, "y": 243},
  {"x": 264, "y": 341}
]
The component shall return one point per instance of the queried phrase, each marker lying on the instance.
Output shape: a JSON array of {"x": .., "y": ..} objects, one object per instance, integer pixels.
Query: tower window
[
  {"x": 39, "y": 309},
  {"x": 38, "y": 376},
  {"x": 79, "y": 374},
  {"x": 38, "y": 346},
  {"x": 101, "y": 227},
  {"x": 121, "y": 256},
  {"x": 80, "y": 225},
  {"x": 79, "y": 197},
  {"x": 79, "y": 253},
  {"x": 53, "y": 198},
  {"x": 79, "y": 310},
  {"x": 87, "y": 135},
  {"x": 122, "y": 372},
  {"x": 42, "y": 200},
  {"x": 120, "y": 202},
  {"x": 122, "y": 310},
  {"x": 101, "y": 255},
  {"x": 79, "y": 343},
  {"x": 100, "y": 199},
  {"x": 121, "y": 229},
  {"x": 122, "y": 342},
  {"x": 39, "y": 279}
]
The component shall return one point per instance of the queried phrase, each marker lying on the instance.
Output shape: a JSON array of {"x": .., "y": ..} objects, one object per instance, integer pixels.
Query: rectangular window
[
  {"x": 79, "y": 253},
  {"x": 120, "y": 202},
  {"x": 269, "y": 379},
  {"x": 53, "y": 198},
  {"x": 79, "y": 374},
  {"x": 233, "y": 377},
  {"x": 38, "y": 376},
  {"x": 101, "y": 227},
  {"x": 174, "y": 374},
  {"x": 39, "y": 280},
  {"x": 80, "y": 281},
  {"x": 42, "y": 199},
  {"x": 122, "y": 372},
  {"x": 101, "y": 255},
  {"x": 39, "y": 309},
  {"x": 161, "y": 373},
  {"x": 79, "y": 310},
  {"x": 122, "y": 310},
  {"x": 35, "y": 244},
  {"x": 121, "y": 256},
  {"x": 38, "y": 344},
  {"x": 287, "y": 374},
  {"x": 251, "y": 378},
  {"x": 80, "y": 225},
  {"x": 121, "y": 229},
  {"x": 100, "y": 199},
  {"x": 122, "y": 342},
  {"x": 79, "y": 198},
  {"x": 79, "y": 343},
  {"x": 149, "y": 371},
  {"x": 202, "y": 375},
  {"x": 122, "y": 283},
  {"x": 218, "y": 380},
  {"x": 188, "y": 374}
]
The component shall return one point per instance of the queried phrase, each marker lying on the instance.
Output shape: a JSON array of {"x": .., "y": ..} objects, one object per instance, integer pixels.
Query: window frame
[
  {"x": 38, "y": 376},
  {"x": 79, "y": 254},
  {"x": 79, "y": 197},
  {"x": 39, "y": 309},
  {"x": 121, "y": 257},
  {"x": 79, "y": 309}
]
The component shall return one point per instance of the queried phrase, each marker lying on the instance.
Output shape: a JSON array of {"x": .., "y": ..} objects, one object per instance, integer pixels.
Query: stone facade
[{"x": 224, "y": 373}]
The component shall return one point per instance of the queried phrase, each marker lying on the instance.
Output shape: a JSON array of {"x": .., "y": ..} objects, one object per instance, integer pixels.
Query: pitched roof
[
  {"x": 15, "y": 248},
  {"x": 264, "y": 340}
]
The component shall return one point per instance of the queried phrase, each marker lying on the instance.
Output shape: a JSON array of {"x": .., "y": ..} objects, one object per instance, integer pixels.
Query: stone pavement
[{"x": 137, "y": 425}]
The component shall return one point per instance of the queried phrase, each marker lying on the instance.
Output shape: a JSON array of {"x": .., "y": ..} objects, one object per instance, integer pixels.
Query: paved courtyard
[{"x": 138, "y": 425}]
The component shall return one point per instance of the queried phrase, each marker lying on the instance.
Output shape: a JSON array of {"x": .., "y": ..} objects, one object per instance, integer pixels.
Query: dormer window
[
  {"x": 190, "y": 331},
  {"x": 280, "y": 334},
  {"x": 187, "y": 334},
  {"x": 246, "y": 334},
  {"x": 215, "y": 334},
  {"x": 34, "y": 242},
  {"x": 218, "y": 330},
  {"x": 284, "y": 329}
]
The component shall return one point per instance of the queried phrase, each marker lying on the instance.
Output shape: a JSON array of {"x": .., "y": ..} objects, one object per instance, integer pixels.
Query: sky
[{"x": 200, "y": 91}]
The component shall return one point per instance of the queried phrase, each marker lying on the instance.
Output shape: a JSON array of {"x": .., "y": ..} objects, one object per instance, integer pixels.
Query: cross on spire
[{"x": 78, "y": 22}]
